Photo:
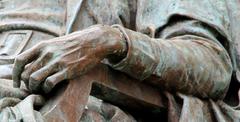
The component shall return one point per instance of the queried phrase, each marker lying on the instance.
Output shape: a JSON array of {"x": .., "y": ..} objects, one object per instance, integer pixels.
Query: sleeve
[{"x": 187, "y": 58}]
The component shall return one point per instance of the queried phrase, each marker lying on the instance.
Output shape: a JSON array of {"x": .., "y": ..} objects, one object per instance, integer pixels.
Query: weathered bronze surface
[
  {"x": 107, "y": 85},
  {"x": 119, "y": 60}
]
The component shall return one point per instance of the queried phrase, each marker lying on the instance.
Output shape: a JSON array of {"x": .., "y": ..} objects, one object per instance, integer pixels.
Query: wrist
[{"x": 120, "y": 52}]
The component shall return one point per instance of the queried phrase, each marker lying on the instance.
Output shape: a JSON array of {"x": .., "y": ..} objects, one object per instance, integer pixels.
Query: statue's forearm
[{"x": 188, "y": 64}]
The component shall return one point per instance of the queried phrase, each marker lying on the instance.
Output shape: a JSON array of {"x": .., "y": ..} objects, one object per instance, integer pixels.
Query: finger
[
  {"x": 8, "y": 102},
  {"x": 40, "y": 75},
  {"x": 24, "y": 77},
  {"x": 20, "y": 63},
  {"x": 19, "y": 93},
  {"x": 36, "y": 65},
  {"x": 53, "y": 80},
  {"x": 12, "y": 92}
]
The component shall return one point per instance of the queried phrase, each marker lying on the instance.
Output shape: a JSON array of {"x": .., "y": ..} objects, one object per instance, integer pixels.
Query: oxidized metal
[{"x": 174, "y": 58}]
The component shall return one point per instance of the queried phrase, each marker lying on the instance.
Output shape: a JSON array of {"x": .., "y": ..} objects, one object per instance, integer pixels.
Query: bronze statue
[{"x": 182, "y": 52}]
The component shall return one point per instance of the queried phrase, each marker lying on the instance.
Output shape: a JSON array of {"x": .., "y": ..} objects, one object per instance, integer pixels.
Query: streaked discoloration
[{"x": 183, "y": 48}]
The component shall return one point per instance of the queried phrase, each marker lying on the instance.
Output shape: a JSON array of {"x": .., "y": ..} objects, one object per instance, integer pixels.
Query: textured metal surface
[
  {"x": 69, "y": 103},
  {"x": 180, "y": 46}
]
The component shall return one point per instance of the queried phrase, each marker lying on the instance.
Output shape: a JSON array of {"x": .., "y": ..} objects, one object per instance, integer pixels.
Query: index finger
[{"x": 20, "y": 62}]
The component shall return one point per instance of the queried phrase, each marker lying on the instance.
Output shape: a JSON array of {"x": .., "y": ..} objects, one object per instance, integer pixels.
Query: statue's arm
[{"x": 186, "y": 63}]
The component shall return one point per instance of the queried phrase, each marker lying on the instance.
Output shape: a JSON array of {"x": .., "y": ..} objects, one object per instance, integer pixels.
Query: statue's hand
[{"x": 52, "y": 61}]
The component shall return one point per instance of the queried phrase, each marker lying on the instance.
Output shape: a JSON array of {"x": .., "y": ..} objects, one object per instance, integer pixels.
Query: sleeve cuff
[{"x": 139, "y": 62}]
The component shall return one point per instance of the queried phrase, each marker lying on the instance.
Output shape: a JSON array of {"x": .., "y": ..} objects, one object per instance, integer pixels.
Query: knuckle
[
  {"x": 34, "y": 78},
  {"x": 37, "y": 47},
  {"x": 48, "y": 80},
  {"x": 61, "y": 63},
  {"x": 41, "y": 44},
  {"x": 18, "y": 59},
  {"x": 49, "y": 53}
]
